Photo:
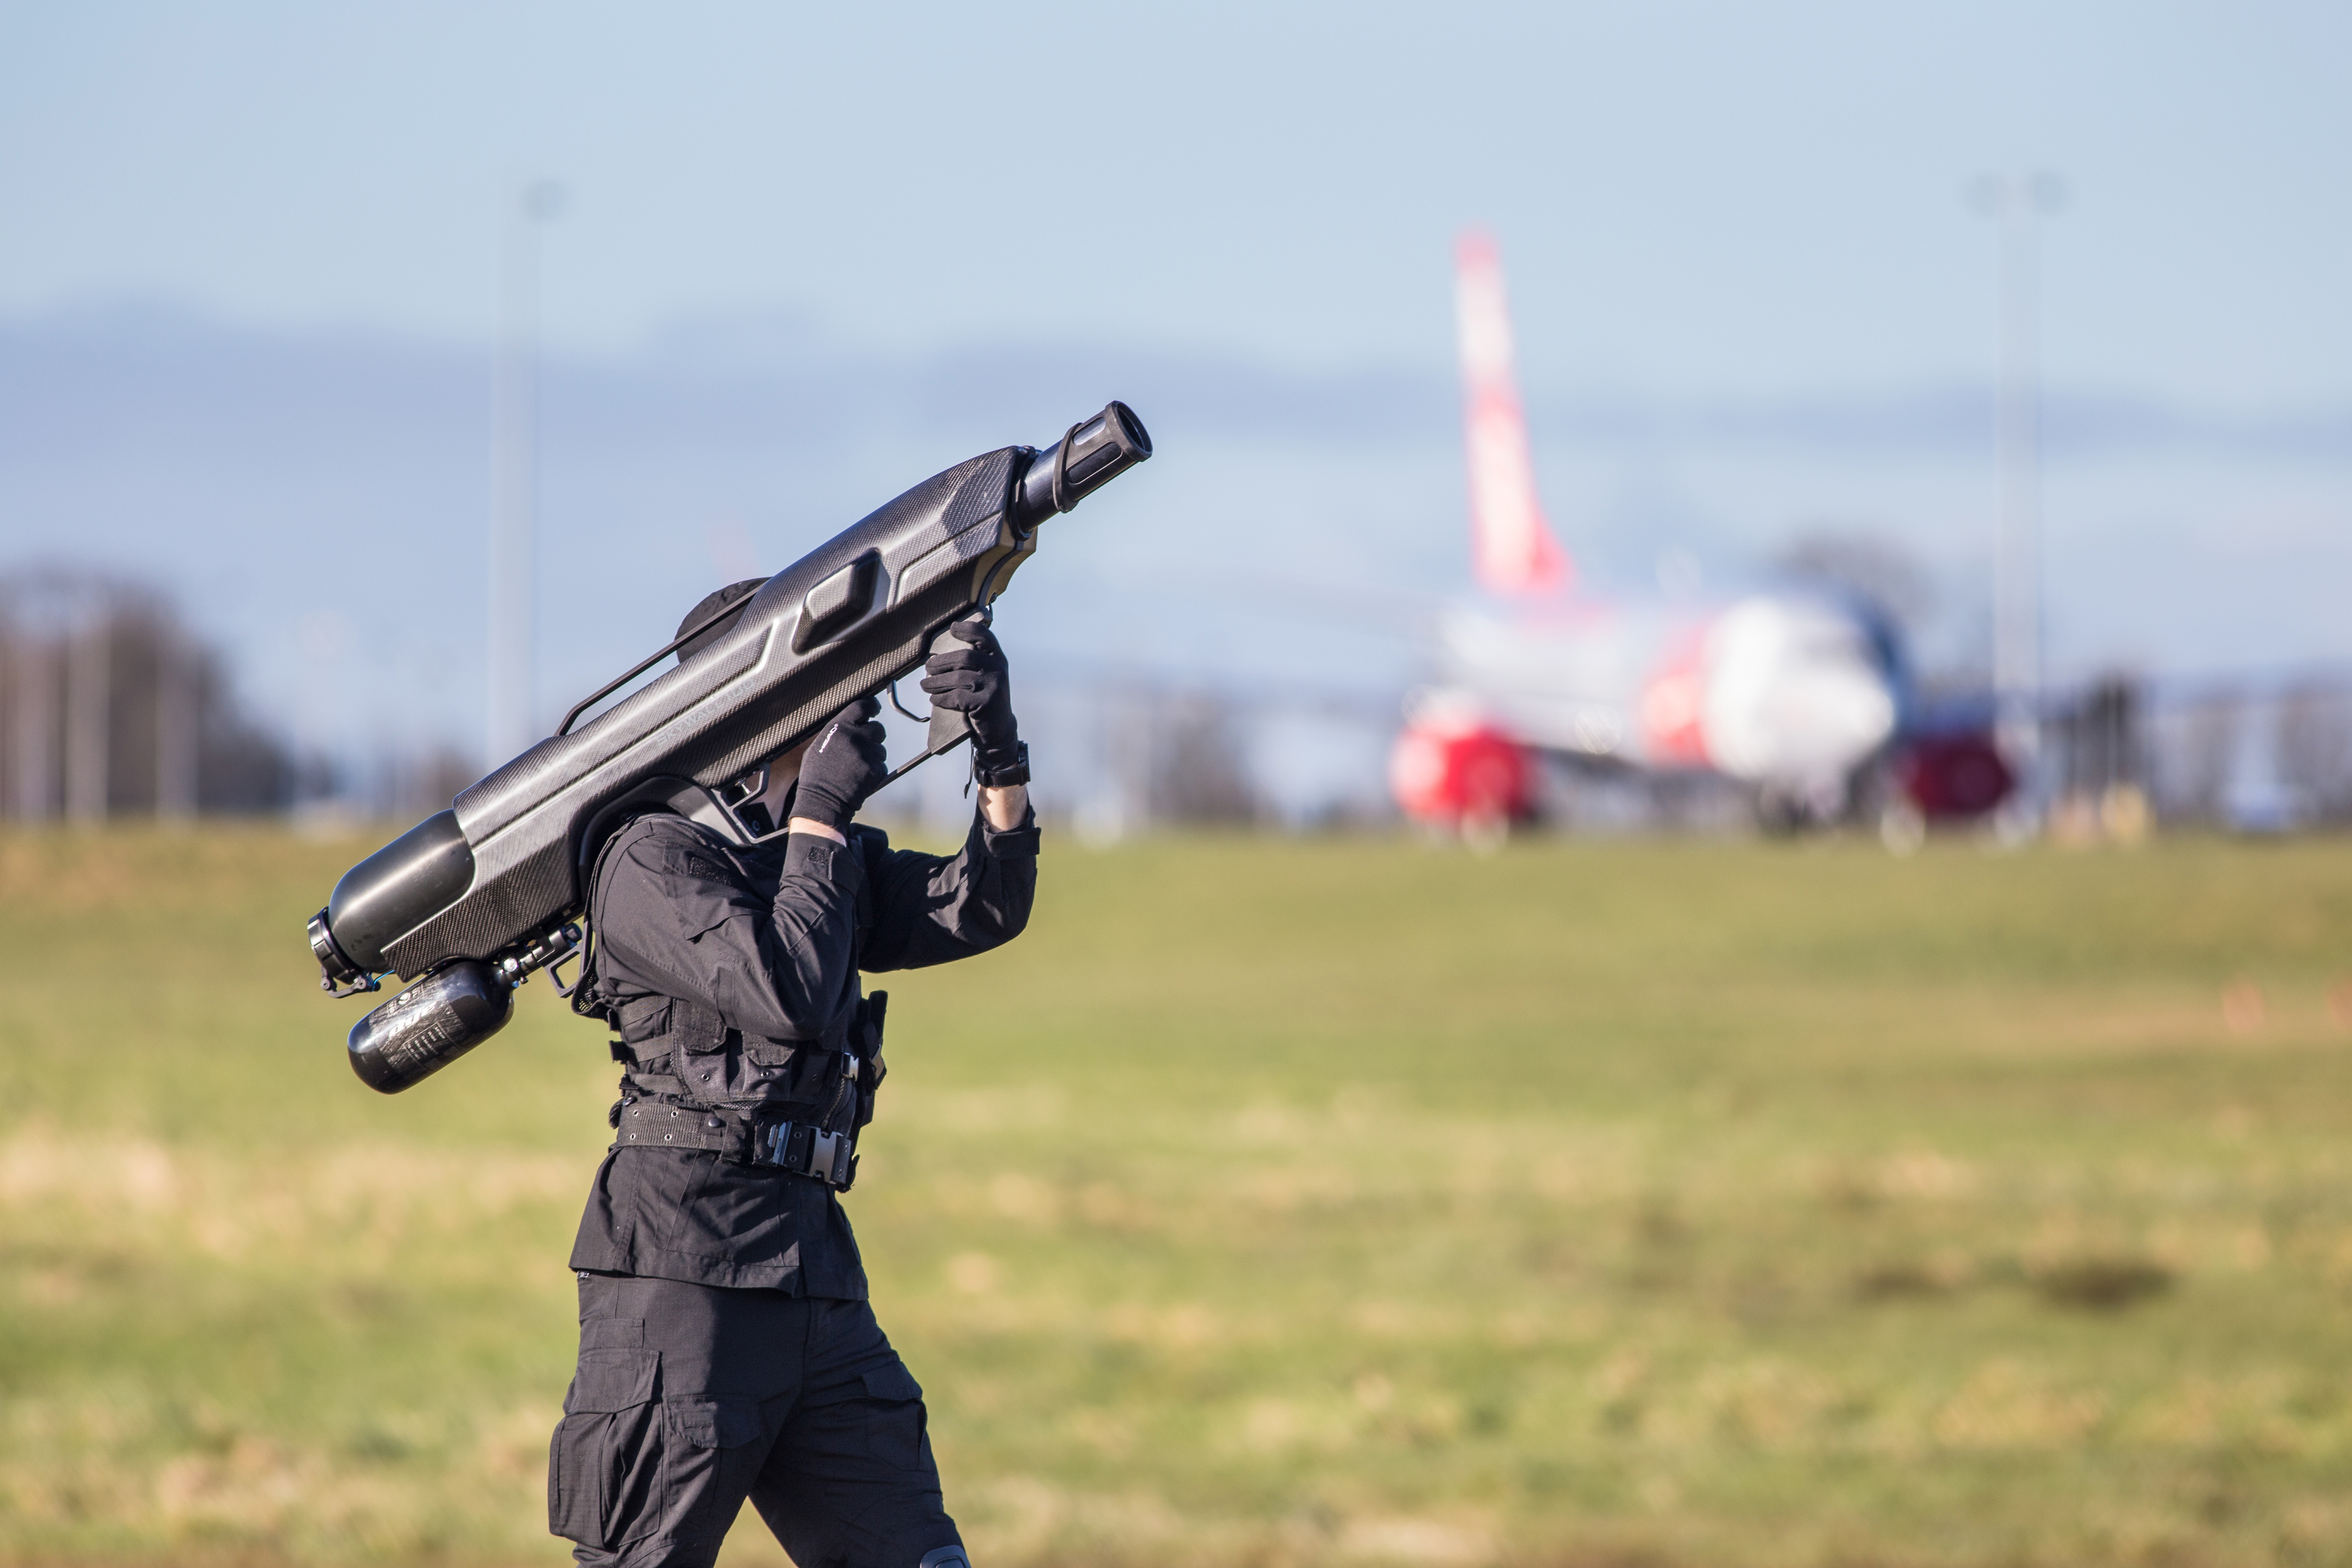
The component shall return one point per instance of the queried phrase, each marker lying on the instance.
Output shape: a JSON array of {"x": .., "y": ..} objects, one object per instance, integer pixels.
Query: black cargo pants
[{"x": 690, "y": 1398}]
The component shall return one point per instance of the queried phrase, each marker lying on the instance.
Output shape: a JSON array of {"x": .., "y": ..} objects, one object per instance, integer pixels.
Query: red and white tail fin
[{"x": 1513, "y": 545}]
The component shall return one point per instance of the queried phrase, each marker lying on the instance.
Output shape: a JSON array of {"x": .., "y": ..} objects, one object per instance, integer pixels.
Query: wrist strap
[{"x": 1002, "y": 772}]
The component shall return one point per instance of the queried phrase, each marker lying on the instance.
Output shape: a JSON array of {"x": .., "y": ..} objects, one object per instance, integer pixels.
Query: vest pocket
[
  {"x": 603, "y": 1463},
  {"x": 643, "y": 1019}
]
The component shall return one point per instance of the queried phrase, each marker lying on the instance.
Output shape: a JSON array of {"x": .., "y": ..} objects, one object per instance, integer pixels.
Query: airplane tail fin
[{"x": 1513, "y": 545}]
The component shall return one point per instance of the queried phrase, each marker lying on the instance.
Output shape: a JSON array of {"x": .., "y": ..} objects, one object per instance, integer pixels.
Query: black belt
[{"x": 799, "y": 1148}]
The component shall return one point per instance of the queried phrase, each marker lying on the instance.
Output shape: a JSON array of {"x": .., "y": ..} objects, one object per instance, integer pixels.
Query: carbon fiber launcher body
[{"x": 495, "y": 883}]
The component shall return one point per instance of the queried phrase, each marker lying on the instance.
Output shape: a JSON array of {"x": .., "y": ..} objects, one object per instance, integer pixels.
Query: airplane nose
[
  {"x": 1794, "y": 697},
  {"x": 1842, "y": 714},
  {"x": 1811, "y": 723}
]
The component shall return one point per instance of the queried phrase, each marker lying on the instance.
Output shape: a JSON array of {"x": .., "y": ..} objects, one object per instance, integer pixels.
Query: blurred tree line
[
  {"x": 2212, "y": 739},
  {"x": 2275, "y": 752},
  {"x": 112, "y": 706}
]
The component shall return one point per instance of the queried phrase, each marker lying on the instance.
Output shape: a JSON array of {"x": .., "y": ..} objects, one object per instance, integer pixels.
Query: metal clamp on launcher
[
  {"x": 801, "y": 1148},
  {"x": 446, "y": 1013}
]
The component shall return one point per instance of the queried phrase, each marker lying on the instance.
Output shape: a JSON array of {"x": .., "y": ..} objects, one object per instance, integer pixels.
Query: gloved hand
[
  {"x": 842, "y": 766},
  {"x": 976, "y": 682}
]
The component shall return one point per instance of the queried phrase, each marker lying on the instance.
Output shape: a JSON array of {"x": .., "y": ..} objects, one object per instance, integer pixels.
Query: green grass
[{"x": 1275, "y": 1203}]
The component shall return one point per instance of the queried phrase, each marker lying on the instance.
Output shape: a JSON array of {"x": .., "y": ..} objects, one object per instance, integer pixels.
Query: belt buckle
[
  {"x": 825, "y": 1154},
  {"x": 827, "y": 1160}
]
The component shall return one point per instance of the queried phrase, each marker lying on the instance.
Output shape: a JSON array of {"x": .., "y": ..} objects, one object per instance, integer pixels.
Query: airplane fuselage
[{"x": 1788, "y": 693}]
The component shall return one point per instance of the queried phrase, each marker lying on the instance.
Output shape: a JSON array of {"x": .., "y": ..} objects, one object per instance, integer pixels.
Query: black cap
[{"x": 735, "y": 593}]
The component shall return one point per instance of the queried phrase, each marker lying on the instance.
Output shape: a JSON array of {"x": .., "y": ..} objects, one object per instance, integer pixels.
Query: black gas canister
[{"x": 430, "y": 1025}]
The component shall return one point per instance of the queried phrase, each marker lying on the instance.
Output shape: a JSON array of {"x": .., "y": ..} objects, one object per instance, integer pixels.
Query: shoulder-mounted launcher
[{"x": 476, "y": 897}]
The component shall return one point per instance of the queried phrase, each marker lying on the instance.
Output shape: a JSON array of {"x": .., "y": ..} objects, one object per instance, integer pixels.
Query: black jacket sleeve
[
  {"x": 675, "y": 918},
  {"x": 930, "y": 909}
]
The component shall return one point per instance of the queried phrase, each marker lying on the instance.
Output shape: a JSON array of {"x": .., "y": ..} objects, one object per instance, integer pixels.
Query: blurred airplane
[{"x": 1798, "y": 696}]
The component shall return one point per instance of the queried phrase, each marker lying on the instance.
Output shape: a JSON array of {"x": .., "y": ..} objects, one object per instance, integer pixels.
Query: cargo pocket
[
  {"x": 720, "y": 1423},
  {"x": 604, "y": 1466},
  {"x": 896, "y": 1429},
  {"x": 697, "y": 1432}
]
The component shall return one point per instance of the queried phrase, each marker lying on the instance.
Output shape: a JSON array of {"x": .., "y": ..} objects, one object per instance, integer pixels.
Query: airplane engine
[
  {"x": 1458, "y": 774},
  {"x": 1955, "y": 775}
]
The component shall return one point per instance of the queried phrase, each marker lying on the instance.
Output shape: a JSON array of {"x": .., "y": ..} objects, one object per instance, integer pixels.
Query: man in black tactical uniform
[{"x": 727, "y": 1349}]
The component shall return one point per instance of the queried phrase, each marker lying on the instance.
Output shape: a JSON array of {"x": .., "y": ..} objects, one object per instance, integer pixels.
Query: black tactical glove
[
  {"x": 976, "y": 682},
  {"x": 842, "y": 766}
]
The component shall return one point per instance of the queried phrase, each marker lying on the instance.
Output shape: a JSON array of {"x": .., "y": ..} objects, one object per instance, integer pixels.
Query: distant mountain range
[{"x": 764, "y": 378}]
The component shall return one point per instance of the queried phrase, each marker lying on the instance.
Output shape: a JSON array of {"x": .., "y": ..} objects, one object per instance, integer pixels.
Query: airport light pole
[
  {"x": 2017, "y": 201},
  {"x": 514, "y": 501},
  {"x": 89, "y": 646},
  {"x": 177, "y": 735}
]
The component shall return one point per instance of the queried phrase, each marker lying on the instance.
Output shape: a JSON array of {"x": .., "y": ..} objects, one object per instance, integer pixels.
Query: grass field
[{"x": 1275, "y": 1203}]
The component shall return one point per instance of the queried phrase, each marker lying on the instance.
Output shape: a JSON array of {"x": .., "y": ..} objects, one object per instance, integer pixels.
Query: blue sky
[{"x": 1693, "y": 198}]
